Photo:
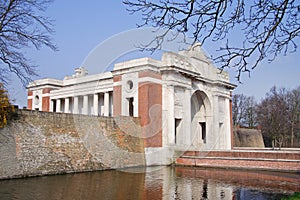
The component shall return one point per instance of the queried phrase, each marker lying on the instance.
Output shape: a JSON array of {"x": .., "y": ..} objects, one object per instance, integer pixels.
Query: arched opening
[
  {"x": 36, "y": 102},
  {"x": 200, "y": 109}
]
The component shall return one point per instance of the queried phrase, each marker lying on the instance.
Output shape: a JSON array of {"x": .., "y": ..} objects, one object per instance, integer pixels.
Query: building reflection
[
  {"x": 199, "y": 183},
  {"x": 155, "y": 183}
]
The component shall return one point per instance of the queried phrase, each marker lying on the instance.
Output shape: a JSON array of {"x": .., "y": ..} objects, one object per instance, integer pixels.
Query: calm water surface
[{"x": 155, "y": 183}]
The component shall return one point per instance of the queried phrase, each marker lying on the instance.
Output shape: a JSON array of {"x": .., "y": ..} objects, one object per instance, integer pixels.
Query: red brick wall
[
  {"x": 29, "y": 104},
  {"x": 148, "y": 73},
  {"x": 262, "y": 160},
  {"x": 46, "y": 90},
  {"x": 150, "y": 100},
  {"x": 46, "y": 100},
  {"x": 240, "y": 163},
  {"x": 30, "y": 93},
  {"x": 46, "y": 104},
  {"x": 117, "y": 78},
  {"x": 246, "y": 154},
  {"x": 117, "y": 100},
  {"x": 29, "y": 101}
]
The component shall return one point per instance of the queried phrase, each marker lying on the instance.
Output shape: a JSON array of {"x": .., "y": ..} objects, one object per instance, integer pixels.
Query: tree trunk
[{"x": 292, "y": 135}]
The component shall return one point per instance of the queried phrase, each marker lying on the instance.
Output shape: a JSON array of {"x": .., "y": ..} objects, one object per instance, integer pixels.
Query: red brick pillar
[
  {"x": 117, "y": 93},
  {"x": 150, "y": 110},
  {"x": 29, "y": 99},
  {"x": 46, "y": 99}
]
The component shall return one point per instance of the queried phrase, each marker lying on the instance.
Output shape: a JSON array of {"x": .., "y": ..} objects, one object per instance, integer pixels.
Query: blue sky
[{"x": 82, "y": 25}]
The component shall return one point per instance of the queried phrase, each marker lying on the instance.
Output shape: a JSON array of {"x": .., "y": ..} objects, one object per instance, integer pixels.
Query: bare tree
[
  {"x": 272, "y": 115},
  {"x": 244, "y": 111},
  {"x": 239, "y": 108},
  {"x": 250, "y": 114},
  {"x": 268, "y": 28},
  {"x": 293, "y": 104},
  {"x": 22, "y": 26}
]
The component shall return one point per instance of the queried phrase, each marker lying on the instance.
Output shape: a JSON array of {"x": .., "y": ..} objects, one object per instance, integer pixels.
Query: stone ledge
[
  {"x": 289, "y": 155},
  {"x": 287, "y": 161},
  {"x": 235, "y": 158}
]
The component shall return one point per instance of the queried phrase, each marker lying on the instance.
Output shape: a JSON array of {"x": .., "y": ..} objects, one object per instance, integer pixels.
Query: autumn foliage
[{"x": 6, "y": 109}]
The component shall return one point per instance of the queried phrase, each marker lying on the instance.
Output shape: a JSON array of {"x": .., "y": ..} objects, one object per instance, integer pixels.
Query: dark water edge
[{"x": 155, "y": 183}]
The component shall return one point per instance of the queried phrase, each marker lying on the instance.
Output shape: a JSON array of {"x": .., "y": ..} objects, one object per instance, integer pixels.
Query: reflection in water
[
  {"x": 156, "y": 183},
  {"x": 204, "y": 189}
]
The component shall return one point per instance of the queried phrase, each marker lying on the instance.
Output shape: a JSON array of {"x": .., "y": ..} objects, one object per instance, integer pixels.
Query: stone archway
[{"x": 200, "y": 123}]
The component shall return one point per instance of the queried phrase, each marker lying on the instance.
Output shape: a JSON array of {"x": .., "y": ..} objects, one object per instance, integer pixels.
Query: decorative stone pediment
[
  {"x": 175, "y": 61},
  {"x": 192, "y": 62},
  {"x": 195, "y": 52},
  {"x": 223, "y": 76}
]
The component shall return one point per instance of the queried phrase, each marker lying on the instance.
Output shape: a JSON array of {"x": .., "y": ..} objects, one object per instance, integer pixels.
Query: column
[
  {"x": 213, "y": 139},
  {"x": 227, "y": 124},
  {"x": 96, "y": 104},
  {"x": 67, "y": 105},
  {"x": 187, "y": 139},
  {"x": 111, "y": 104},
  {"x": 58, "y": 105},
  {"x": 51, "y": 105},
  {"x": 85, "y": 104},
  {"x": 170, "y": 115},
  {"x": 106, "y": 104},
  {"x": 75, "y": 106},
  {"x": 101, "y": 102}
]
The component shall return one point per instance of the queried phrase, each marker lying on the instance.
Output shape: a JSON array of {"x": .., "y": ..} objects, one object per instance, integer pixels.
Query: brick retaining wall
[
  {"x": 268, "y": 154},
  {"x": 41, "y": 143},
  {"x": 261, "y": 160}
]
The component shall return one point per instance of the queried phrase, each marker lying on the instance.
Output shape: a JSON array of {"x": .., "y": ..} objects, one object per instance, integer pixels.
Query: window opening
[
  {"x": 203, "y": 130},
  {"x": 130, "y": 106},
  {"x": 54, "y": 106},
  {"x": 177, "y": 123}
]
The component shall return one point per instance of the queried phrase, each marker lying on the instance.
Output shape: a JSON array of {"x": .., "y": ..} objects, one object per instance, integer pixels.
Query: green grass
[{"x": 295, "y": 196}]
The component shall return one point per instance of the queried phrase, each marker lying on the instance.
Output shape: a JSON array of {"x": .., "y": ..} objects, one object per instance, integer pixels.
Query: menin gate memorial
[{"x": 182, "y": 100}]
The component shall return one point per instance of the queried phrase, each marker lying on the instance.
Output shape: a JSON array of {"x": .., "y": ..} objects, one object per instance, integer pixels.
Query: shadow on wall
[{"x": 245, "y": 137}]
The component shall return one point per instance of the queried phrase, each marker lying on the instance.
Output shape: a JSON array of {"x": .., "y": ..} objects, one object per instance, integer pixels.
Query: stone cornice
[
  {"x": 136, "y": 65},
  {"x": 183, "y": 71},
  {"x": 43, "y": 83}
]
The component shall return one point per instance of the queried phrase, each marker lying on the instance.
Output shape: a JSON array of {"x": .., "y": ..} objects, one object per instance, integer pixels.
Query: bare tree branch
[
  {"x": 268, "y": 28},
  {"x": 22, "y": 25}
]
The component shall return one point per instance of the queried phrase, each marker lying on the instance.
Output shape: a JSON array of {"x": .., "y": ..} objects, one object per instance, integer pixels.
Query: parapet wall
[
  {"x": 40, "y": 143},
  {"x": 286, "y": 161}
]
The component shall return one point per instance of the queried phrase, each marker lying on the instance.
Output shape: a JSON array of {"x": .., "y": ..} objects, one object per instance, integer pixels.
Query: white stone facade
[
  {"x": 78, "y": 94},
  {"x": 183, "y": 100}
]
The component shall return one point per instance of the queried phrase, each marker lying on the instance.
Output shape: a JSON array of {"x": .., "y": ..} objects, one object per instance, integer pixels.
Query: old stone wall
[
  {"x": 244, "y": 137},
  {"x": 40, "y": 143}
]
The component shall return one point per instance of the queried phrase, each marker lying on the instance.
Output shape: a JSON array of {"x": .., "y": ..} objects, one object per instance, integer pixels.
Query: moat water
[{"x": 155, "y": 183}]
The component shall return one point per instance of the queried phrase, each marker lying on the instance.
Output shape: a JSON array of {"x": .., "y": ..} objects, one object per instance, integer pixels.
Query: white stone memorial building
[{"x": 182, "y": 100}]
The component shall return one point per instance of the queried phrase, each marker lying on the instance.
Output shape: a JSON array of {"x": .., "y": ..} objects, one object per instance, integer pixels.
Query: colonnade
[{"x": 89, "y": 104}]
